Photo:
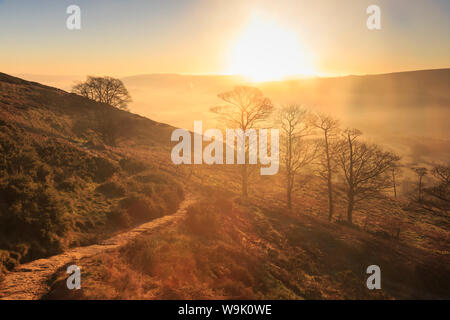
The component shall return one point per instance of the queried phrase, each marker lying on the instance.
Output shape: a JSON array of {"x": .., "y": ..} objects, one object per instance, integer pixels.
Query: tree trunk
[
  {"x": 350, "y": 207},
  {"x": 289, "y": 172},
  {"x": 351, "y": 194},
  {"x": 289, "y": 188},
  {"x": 420, "y": 189},
  {"x": 289, "y": 199},
  {"x": 244, "y": 182},
  {"x": 330, "y": 190},
  {"x": 393, "y": 181},
  {"x": 330, "y": 200}
]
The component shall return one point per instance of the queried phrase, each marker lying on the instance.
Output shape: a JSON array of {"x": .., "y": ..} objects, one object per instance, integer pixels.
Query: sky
[{"x": 124, "y": 38}]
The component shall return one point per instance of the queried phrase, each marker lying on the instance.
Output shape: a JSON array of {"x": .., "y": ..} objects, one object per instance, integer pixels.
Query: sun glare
[{"x": 266, "y": 52}]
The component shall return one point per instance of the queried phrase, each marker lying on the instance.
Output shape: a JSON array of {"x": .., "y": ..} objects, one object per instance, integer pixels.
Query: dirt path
[{"x": 29, "y": 281}]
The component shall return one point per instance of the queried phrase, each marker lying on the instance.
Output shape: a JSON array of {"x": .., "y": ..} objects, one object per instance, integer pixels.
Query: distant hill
[
  {"x": 407, "y": 111},
  {"x": 410, "y": 108}
]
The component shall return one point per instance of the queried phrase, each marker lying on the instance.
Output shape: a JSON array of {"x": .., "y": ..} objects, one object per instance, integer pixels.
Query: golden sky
[{"x": 264, "y": 39}]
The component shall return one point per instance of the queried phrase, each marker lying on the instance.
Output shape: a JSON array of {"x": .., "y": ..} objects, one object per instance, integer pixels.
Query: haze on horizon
[{"x": 215, "y": 37}]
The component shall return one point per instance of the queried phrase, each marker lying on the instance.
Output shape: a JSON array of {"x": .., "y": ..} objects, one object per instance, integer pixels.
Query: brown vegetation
[
  {"x": 66, "y": 184},
  {"x": 60, "y": 185}
]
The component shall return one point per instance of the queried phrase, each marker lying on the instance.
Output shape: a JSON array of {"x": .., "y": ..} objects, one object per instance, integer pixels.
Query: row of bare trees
[
  {"x": 366, "y": 169},
  {"x": 314, "y": 140},
  {"x": 439, "y": 190},
  {"x": 318, "y": 140},
  {"x": 439, "y": 193}
]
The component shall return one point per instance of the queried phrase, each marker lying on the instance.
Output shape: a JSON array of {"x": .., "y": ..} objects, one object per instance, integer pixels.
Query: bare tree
[
  {"x": 329, "y": 128},
  {"x": 420, "y": 172},
  {"x": 105, "y": 90},
  {"x": 246, "y": 108},
  {"x": 442, "y": 189},
  {"x": 365, "y": 169},
  {"x": 297, "y": 151},
  {"x": 442, "y": 173},
  {"x": 396, "y": 171}
]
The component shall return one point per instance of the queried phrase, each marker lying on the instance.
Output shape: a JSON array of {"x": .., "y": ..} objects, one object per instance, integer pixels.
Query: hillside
[
  {"x": 67, "y": 175},
  {"x": 224, "y": 250},
  {"x": 74, "y": 172}
]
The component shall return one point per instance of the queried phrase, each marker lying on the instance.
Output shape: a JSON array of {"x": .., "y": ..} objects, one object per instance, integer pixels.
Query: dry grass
[
  {"x": 61, "y": 185},
  {"x": 224, "y": 250}
]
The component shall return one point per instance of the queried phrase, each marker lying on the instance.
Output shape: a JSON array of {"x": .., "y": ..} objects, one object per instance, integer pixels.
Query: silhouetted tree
[
  {"x": 109, "y": 91},
  {"x": 246, "y": 108},
  {"x": 297, "y": 151},
  {"x": 395, "y": 173},
  {"x": 105, "y": 90},
  {"x": 329, "y": 128},
  {"x": 365, "y": 168},
  {"x": 442, "y": 189},
  {"x": 420, "y": 172},
  {"x": 442, "y": 173}
]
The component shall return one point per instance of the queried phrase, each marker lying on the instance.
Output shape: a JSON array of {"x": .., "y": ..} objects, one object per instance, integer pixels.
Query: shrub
[
  {"x": 148, "y": 190},
  {"x": 42, "y": 172},
  {"x": 157, "y": 178},
  {"x": 119, "y": 218},
  {"x": 101, "y": 169},
  {"x": 139, "y": 208},
  {"x": 67, "y": 185},
  {"x": 223, "y": 205},
  {"x": 141, "y": 254},
  {"x": 171, "y": 198},
  {"x": 111, "y": 189},
  {"x": 6, "y": 261},
  {"x": 32, "y": 214},
  {"x": 132, "y": 166},
  {"x": 36, "y": 175},
  {"x": 201, "y": 219}
]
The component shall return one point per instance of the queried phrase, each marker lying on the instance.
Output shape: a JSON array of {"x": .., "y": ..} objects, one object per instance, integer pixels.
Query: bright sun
[{"x": 266, "y": 52}]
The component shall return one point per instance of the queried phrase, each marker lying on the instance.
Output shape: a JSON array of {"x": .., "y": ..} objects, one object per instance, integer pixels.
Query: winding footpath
[{"x": 29, "y": 281}]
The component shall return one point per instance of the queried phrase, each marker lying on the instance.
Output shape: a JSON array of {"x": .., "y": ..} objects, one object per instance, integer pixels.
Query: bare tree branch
[{"x": 105, "y": 90}]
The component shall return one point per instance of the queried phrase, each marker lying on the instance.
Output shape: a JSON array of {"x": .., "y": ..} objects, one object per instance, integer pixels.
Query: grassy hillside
[
  {"x": 260, "y": 250},
  {"x": 67, "y": 176},
  {"x": 226, "y": 250},
  {"x": 73, "y": 171}
]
